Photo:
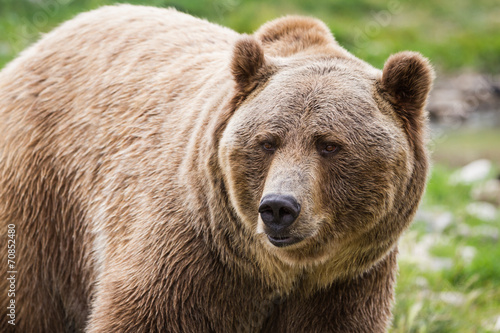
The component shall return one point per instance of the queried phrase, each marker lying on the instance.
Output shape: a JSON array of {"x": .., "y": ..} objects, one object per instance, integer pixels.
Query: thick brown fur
[{"x": 132, "y": 167}]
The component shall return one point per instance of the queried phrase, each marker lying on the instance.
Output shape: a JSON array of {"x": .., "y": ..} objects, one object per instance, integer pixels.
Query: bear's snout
[{"x": 278, "y": 212}]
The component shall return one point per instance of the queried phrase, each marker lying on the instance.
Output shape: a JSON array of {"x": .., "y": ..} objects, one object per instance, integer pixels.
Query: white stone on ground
[
  {"x": 482, "y": 210},
  {"x": 472, "y": 172}
]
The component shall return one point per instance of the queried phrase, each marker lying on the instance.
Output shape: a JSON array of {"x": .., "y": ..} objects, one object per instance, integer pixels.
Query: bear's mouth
[{"x": 282, "y": 241}]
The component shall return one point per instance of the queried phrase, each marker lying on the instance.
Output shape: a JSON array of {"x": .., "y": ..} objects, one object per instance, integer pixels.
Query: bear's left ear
[
  {"x": 406, "y": 81},
  {"x": 246, "y": 64}
]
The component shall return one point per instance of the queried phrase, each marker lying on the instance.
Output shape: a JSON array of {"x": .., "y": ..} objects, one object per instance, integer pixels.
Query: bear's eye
[
  {"x": 327, "y": 148},
  {"x": 269, "y": 147}
]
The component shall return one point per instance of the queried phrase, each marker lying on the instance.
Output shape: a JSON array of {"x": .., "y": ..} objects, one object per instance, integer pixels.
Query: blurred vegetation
[
  {"x": 453, "y": 34},
  {"x": 459, "y": 146},
  {"x": 449, "y": 278}
]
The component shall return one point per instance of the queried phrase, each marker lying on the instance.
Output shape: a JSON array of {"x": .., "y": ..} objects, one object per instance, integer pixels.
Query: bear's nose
[{"x": 278, "y": 211}]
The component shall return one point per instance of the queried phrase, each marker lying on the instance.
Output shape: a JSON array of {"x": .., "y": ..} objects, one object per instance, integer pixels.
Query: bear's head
[{"x": 323, "y": 156}]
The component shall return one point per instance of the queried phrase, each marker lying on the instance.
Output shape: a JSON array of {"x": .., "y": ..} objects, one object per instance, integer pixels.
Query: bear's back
[
  {"x": 112, "y": 55},
  {"x": 93, "y": 121},
  {"x": 109, "y": 86}
]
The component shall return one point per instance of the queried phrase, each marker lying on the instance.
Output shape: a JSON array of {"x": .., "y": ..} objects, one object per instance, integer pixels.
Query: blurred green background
[
  {"x": 449, "y": 278},
  {"x": 454, "y": 34}
]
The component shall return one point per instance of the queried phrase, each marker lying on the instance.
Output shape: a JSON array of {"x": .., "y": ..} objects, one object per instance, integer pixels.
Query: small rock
[
  {"x": 467, "y": 253},
  {"x": 436, "y": 221},
  {"x": 472, "y": 172},
  {"x": 417, "y": 252},
  {"x": 452, "y": 298},
  {"x": 497, "y": 325},
  {"x": 456, "y": 99},
  {"x": 482, "y": 210},
  {"x": 421, "y": 282},
  {"x": 486, "y": 232},
  {"x": 489, "y": 191},
  {"x": 437, "y": 264},
  {"x": 441, "y": 221},
  {"x": 447, "y": 107}
]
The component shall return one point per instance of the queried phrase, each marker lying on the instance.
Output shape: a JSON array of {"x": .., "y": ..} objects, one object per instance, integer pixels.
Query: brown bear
[{"x": 164, "y": 174}]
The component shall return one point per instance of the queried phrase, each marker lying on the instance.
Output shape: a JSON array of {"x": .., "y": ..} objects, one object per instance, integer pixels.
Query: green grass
[
  {"x": 453, "y": 34},
  {"x": 459, "y": 146},
  {"x": 463, "y": 296}
]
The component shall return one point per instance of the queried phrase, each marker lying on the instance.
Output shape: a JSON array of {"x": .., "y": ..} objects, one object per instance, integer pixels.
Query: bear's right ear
[{"x": 247, "y": 62}]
